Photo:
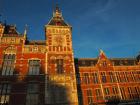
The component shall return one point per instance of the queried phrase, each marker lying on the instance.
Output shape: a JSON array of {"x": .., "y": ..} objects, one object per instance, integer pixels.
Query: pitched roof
[
  {"x": 36, "y": 42},
  {"x": 57, "y": 19},
  {"x": 10, "y": 30}
]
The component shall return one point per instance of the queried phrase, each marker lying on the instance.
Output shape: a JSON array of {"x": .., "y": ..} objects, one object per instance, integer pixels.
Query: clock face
[{"x": 58, "y": 40}]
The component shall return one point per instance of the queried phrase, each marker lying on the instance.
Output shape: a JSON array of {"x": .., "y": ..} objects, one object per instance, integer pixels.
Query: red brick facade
[
  {"x": 102, "y": 80},
  {"x": 45, "y": 72}
]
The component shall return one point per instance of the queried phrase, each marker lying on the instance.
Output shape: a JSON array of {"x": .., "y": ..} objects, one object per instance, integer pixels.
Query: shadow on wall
[
  {"x": 57, "y": 94},
  {"x": 19, "y": 86},
  {"x": 80, "y": 95}
]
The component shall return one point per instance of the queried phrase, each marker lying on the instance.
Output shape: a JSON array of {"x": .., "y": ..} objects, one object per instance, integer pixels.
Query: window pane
[
  {"x": 4, "y": 70},
  {"x": 5, "y": 90},
  {"x": 8, "y": 64},
  {"x": 59, "y": 63},
  {"x": 32, "y": 94},
  {"x": 34, "y": 67},
  {"x": 32, "y": 88},
  {"x": 103, "y": 77}
]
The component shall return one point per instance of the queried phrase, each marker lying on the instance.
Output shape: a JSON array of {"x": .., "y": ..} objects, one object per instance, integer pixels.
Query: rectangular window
[
  {"x": 125, "y": 77},
  {"x": 137, "y": 76},
  {"x": 137, "y": 92},
  {"x": 129, "y": 90},
  {"x": 118, "y": 76},
  {"x": 95, "y": 77},
  {"x": 112, "y": 77},
  {"x": 103, "y": 77},
  {"x": 133, "y": 76},
  {"x": 115, "y": 90},
  {"x": 5, "y": 90},
  {"x": 8, "y": 64},
  {"x": 123, "y": 92},
  {"x": 89, "y": 97},
  {"x": 106, "y": 91},
  {"x": 86, "y": 79},
  {"x": 98, "y": 94},
  {"x": 32, "y": 97},
  {"x": 59, "y": 63},
  {"x": 130, "y": 93},
  {"x": 34, "y": 67}
]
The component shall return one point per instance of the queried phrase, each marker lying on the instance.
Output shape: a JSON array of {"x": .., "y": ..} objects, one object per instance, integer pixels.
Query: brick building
[
  {"x": 108, "y": 81},
  {"x": 34, "y": 72}
]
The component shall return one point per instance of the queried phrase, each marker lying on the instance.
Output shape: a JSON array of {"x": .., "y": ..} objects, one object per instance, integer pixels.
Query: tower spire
[
  {"x": 57, "y": 19},
  {"x": 57, "y": 12}
]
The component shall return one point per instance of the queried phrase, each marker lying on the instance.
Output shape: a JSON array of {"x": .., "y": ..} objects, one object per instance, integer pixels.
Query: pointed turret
[
  {"x": 102, "y": 55},
  {"x": 57, "y": 12},
  {"x": 57, "y": 19}
]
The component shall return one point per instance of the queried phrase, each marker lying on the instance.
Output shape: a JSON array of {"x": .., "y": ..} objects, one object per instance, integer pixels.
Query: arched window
[
  {"x": 8, "y": 64},
  {"x": 34, "y": 67}
]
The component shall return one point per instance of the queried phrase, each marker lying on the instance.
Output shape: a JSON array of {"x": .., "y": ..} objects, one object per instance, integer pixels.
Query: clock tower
[{"x": 60, "y": 71}]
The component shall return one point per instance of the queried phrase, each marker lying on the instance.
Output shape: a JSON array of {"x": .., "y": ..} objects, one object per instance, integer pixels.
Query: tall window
[
  {"x": 5, "y": 90},
  {"x": 133, "y": 76},
  {"x": 98, "y": 94},
  {"x": 137, "y": 92},
  {"x": 95, "y": 77},
  {"x": 32, "y": 97},
  {"x": 60, "y": 68},
  {"x": 34, "y": 67},
  {"x": 118, "y": 77},
  {"x": 86, "y": 78},
  {"x": 125, "y": 77},
  {"x": 103, "y": 77},
  {"x": 8, "y": 64},
  {"x": 115, "y": 90},
  {"x": 107, "y": 93},
  {"x": 123, "y": 93},
  {"x": 112, "y": 77},
  {"x": 130, "y": 92},
  {"x": 89, "y": 97}
]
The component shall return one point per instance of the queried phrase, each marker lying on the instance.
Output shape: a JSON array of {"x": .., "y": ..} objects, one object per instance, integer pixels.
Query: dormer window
[{"x": 104, "y": 63}]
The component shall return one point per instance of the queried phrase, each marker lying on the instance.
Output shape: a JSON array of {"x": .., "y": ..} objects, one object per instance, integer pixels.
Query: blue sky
[{"x": 111, "y": 25}]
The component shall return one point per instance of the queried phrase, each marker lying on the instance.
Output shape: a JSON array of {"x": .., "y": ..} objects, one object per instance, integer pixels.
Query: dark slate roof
[
  {"x": 36, "y": 42},
  {"x": 10, "y": 30},
  {"x": 87, "y": 61},
  {"x": 115, "y": 61},
  {"x": 123, "y": 61},
  {"x": 57, "y": 21}
]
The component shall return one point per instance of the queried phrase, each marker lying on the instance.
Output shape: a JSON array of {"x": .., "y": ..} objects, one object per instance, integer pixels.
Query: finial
[
  {"x": 25, "y": 31},
  {"x": 101, "y": 51},
  {"x": 57, "y": 11},
  {"x": 102, "y": 54},
  {"x": 57, "y": 8}
]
